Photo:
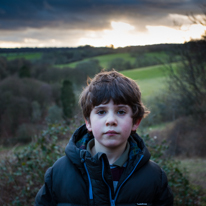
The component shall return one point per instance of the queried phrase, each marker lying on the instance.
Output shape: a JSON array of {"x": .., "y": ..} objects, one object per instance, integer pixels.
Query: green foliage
[
  {"x": 24, "y": 133},
  {"x": 102, "y": 59},
  {"x": 82, "y": 71},
  {"x": 25, "y": 55},
  {"x": 55, "y": 114},
  {"x": 143, "y": 60},
  {"x": 68, "y": 55},
  {"x": 184, "y": 193},
  {"x": 24, "y": 71},
  {"x": 21, "y": 101},
  {"x": 22, "y": 175},
  {"x": 67, "y": 98},
  {"x": 36, "y": 111},
  {"x": 119, "y": 64}
]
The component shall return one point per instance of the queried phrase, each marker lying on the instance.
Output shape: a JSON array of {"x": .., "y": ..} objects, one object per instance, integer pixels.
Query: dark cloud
[{"x": 84, "y": 14}]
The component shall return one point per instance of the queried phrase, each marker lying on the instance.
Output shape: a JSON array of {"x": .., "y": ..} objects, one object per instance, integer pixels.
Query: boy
[{"x": 106, "y": 162}]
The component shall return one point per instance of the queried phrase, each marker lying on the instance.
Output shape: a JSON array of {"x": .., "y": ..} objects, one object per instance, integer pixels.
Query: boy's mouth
[{"x": 111, "y": 132}]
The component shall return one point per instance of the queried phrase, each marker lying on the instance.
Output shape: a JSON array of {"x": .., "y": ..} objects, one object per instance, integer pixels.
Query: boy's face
[{"x": 111, "y": 125}]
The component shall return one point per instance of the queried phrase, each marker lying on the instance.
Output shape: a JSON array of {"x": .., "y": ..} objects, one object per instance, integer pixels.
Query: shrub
[
  {"x": 185, "y": 137},
  {"x": 119, "y": 64},
  {"x": 24, "y": 133},
  {"x": 36, "y": 112},
  {"x": 22, "y": 175},
  {"x": 67, "y": 98},
  {"x": 184, "y": 193},
  {"x": 54, "y": 114},
  {"x": 143, "y": 60},
  {"x": 22, "y": 101}
]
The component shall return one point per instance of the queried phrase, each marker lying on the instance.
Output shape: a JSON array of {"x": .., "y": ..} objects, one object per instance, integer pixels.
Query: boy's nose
[{"x": 111, "y": 120}]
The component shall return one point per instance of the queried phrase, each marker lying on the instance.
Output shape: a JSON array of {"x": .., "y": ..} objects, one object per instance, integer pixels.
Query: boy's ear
[
  {"x": 88, "y": 125},
  {"x": 136, "y": 124}
]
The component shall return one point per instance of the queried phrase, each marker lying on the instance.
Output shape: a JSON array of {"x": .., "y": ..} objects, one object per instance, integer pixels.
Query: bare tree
[{"x": 187, "y": 82}]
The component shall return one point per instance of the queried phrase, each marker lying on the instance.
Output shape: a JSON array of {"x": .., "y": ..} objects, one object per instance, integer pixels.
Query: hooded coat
[{"x": 78, "y": 179}]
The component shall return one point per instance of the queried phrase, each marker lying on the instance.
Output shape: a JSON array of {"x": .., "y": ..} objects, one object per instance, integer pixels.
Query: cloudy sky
[{"x": 71, "y": 23}]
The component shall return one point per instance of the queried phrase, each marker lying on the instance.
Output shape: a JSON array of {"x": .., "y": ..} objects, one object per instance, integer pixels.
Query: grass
[
  {"x": 151, "y": 80},
  {"x": 147, "y": 72},
  {"x": 151, "y": 87},
  {"x": 29, "y": 56},
  {"x": 105, "y": 59},
  {"x": 197, "y": 170}
]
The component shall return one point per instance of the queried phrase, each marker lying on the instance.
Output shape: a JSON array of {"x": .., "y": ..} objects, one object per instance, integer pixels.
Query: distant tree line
[
  {"x": 32, "y": 93},
  {"x": 65, "y": 55}
]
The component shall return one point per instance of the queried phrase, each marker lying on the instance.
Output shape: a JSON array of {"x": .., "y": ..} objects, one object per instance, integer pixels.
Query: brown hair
[{"x": 112, "y": 85}]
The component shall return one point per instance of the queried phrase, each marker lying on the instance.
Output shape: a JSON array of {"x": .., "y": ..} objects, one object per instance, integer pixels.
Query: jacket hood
[{"x": 76, "y": 148}]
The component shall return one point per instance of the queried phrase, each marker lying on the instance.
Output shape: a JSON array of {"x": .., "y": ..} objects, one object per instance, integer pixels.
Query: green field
[
  {"x": 150, "y": 79},
  {"x": 105, "y": 59},
  {"x": 29, "y": 56}
]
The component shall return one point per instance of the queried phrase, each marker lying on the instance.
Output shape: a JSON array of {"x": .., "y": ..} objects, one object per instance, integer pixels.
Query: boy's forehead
[{"x": 112, "y": 104}]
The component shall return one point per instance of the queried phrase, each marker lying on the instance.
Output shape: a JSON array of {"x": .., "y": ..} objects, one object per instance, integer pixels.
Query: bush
[
  {"x": 24, "y": 133},
  {"x": 22, "y": 101},
  {"x": 22, "y": 175},
  {"x": 184, "y": 193},
  {"x": 55, "y": 114},
  {"x": 143, "y": 60},
  {"x": 185, "y": 137},
  {"x": 119, "y": 64},
  {"x": 67, "y": 98}
]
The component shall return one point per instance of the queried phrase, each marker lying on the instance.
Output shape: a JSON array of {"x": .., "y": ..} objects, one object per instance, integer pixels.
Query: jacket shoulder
[{"x": 164, "y": 195}]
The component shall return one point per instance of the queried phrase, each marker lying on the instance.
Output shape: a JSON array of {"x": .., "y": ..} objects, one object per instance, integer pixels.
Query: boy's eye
[
  {"x": 101, "y": 112},
  {"x": 121, "y": 112}
]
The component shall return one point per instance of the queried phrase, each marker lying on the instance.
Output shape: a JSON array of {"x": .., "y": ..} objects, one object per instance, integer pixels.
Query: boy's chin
[{"x": 113, "y": 144}]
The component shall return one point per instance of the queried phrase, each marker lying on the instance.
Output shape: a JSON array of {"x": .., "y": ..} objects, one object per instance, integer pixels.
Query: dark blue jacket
[{"x": 78, "y": 179}]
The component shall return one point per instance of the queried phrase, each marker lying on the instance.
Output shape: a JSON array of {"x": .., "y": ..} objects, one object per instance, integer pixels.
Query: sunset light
[
  {"x": 123, "y": 34},
  {"x": 98, "y": 24}
]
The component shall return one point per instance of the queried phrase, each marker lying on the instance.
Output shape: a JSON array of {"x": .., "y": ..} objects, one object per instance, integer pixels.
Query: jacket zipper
[
  {"x": 90, "y": 184},
  {"x": 112, "y": 201}
]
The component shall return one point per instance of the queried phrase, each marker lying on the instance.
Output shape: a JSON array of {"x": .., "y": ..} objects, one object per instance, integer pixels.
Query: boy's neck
[{"x": 112, "y": 153}]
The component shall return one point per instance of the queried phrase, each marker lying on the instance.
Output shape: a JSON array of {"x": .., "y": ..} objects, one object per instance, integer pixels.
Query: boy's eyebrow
[
  {"x": 118, "y": 105},
  {"x": 99, "y": 106},
  {"x": 122, "y": 105}
]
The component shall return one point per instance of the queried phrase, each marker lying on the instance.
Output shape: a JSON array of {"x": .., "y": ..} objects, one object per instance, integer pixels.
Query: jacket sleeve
[
  {"x": 45, "y": 197},
  {"x": 164, "y": 196}
]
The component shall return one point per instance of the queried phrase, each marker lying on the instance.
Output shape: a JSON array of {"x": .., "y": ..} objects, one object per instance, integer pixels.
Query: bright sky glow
[
  {"x": 120, "y": 34},
  {"x": 7, "y": 44},
  {"x": 123, "y": 34},
  {"x": 98, "y": 23}
]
